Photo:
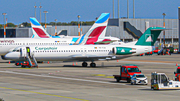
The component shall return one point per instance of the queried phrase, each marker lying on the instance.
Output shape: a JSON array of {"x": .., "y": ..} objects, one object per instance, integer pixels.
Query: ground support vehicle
[
  {"x": 149, "y": 53},
  {"x": 177, "y": 74},
  {"x": 139, "y": 79},
  {"x": 141, "y": 54},
  {"x": 165, "y": 51},
  {"x": 156, "y": 50},
  {"x": 159, "y": 81},
  {"x": 126, "y": 72},
  {"x": 19, "y": 63},
  {"x": 24, "y": 64}
]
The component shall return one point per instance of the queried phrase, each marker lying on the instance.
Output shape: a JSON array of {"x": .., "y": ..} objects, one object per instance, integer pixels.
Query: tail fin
[
  {"x": 97, "y": 30},
  {"x": 38, "y": 30},
  {"x": 150, "y": 36}
]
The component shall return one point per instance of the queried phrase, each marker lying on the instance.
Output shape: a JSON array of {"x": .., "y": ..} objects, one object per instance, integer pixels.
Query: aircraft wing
[
  {"x": 82, "y": 57},
  {"x": 103, "y": 42},
  {"x": 88, "y": 56}
]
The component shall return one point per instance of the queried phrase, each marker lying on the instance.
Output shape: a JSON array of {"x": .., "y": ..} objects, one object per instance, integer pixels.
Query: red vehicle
[
  {"x": 126, "y": 72},
  {"x": 149, "y": 53},
  {"x": 19, "y": 63},
  {"x": 156, "y": 50},
  {"x": 141, "y": 54},
  {"x": 23, "y": 64},
  {"x": 177, "y": 74}
]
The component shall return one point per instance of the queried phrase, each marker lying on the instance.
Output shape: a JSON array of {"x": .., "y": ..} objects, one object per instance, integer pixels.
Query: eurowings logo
[
  {"x": 93, "y": 37},
  {"x": 149, "y": 38},
  {"x": 40, "y": 33}
]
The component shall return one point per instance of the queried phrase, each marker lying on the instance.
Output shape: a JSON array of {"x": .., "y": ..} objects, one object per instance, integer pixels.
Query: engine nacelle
[{"x": 123, "y": 50}]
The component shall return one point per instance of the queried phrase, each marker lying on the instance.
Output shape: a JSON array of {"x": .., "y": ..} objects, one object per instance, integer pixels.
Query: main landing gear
[
  {"x": 84, "y": 64},
  {"x": 93, "y": 64}
]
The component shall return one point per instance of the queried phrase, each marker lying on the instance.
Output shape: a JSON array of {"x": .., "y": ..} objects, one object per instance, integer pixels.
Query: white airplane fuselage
[{"x": 76, "y": 52}]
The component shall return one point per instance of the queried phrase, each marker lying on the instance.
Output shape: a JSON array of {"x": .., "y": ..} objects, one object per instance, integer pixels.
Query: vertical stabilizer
[
  {"x": 38, "y": 30},
  {"x": 97, "y": 30},
  {"x": 150, "y": 36}
]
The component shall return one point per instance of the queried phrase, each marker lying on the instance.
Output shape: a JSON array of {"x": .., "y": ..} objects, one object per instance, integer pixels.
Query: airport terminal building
[{"x": 125, "y": 29}]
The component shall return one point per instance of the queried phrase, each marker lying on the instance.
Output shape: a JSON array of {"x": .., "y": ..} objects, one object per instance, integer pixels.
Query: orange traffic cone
[
  {"x": 48, "y": 62},
  {"x": 73, "y": 63},
  {"x": 176, "y": 64},
  {"x": 117, "y": 60},
  {"x": 9, "y": 62},
  {"x": 76, "y": 63}
]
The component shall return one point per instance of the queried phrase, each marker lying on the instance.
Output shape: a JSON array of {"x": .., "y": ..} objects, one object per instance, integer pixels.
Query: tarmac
[{"x": 59, "y": 81}]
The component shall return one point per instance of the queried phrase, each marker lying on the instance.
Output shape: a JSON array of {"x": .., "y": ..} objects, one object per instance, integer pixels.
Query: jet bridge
[{"x": 132, "y": 30}]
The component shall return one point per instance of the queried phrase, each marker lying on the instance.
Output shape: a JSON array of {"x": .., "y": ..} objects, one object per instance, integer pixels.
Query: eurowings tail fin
[
  {"x": 97, "y": 30},
  {"x": 38, "y": 30}
]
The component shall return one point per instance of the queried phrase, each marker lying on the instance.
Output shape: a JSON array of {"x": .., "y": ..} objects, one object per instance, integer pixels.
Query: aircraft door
[
  {"x": 28, "y": 51},
  {"x": 23, "y": 52}
]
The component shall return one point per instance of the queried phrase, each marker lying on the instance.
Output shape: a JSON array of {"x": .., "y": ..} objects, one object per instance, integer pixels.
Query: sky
[{"x": 19, "y": 11}]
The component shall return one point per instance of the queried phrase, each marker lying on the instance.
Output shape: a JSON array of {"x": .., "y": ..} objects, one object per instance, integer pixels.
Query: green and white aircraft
[{"x": 86, "y": 53}]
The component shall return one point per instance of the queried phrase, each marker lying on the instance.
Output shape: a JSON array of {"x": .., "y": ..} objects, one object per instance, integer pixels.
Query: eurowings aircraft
[
  {"x": 86, "y": 53},
  {"x": 95, "y": 34},
  {"x": 8, "y": 44}
]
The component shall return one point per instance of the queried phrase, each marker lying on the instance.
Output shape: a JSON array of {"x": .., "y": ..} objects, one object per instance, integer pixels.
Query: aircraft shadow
[{"x": 89, "y": 66}]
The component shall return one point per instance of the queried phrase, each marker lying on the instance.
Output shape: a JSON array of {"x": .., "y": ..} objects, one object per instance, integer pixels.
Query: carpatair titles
[{"x": 46, "y": 48}]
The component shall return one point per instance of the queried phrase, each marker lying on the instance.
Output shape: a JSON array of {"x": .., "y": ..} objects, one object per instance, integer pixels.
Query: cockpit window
[{"x": 17, "y": 50}]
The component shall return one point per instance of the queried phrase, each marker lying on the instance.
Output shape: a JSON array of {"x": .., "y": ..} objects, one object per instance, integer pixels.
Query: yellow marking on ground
[
  {"x": 103, "y": 75},
  {"x": 45, "y": 94},
  {"x": 99, "y": 75},
  {"x": 109, "y": 76}
]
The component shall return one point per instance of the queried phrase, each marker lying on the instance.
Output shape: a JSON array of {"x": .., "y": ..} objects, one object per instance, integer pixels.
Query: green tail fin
[{"x": 150, "y": 36}]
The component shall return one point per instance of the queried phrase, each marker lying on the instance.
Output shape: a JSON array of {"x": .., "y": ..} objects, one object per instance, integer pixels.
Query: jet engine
[{"x": 123, "y": 50}]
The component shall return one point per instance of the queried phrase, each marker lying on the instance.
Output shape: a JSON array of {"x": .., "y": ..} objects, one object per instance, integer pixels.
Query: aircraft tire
[
  {"x": 93, "y": 64},
  {"x": 84, "y": 64}
]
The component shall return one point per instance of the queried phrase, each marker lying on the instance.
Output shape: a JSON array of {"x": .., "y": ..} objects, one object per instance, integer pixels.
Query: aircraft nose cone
[
  {"x": 7, "y": 56},
  {"x": 11, "y": 56}
]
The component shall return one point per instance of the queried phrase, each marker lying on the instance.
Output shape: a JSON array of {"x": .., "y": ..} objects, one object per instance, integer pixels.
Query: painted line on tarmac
[
  {"x": 65, "y": 78},
  {"x": 151, "y": 62},
  {"x": 44, "y": 94}
]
